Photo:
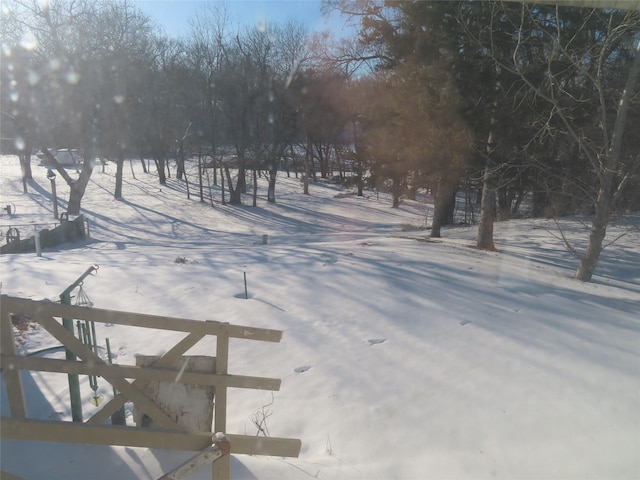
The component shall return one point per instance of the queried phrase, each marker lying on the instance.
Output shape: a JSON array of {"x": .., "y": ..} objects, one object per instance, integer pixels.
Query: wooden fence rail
[{"x": 167, "y": 432}]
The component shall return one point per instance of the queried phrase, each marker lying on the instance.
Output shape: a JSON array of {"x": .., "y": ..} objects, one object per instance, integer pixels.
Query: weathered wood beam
[
  {"x": 221, "y": 469},
  {"x": 73, "y": 432},
  {"x": 208, "y": 327},
  {"x": 12, "y": 380},
  {"x": 143, "y": 373}
]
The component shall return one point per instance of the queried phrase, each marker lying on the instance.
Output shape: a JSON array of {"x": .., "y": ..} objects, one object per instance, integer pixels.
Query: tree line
[
  {"x": 513, "y": 100},
  {"x": 547, "y": 92}
]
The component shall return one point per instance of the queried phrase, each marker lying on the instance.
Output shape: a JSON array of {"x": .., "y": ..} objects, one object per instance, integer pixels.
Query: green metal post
[{"x": 74, "y": 382}]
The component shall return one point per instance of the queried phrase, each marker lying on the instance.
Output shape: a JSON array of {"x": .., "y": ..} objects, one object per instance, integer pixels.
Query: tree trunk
[
  {"x": 255, "y": 187},
  {"x": 181, "y": 153},
  {"x": 287, "y": 167},
  {"x": 505, "y": 198},
  {"x": 607, "y": 175},
  {"x": 336, "y": 151},
  {"x": 598, "y": 231},
  {"x": 487, "y": 207},
  {"x": 444, "y": 203},
  {"x": 224, "y": 201},
  {"x": 321, "y": 160},
  {"x": 396, "y": 189},
  {"x": 540, "y": 201},
  {"x": 117, "y": 194},
  {"x": 200, "y": 184},
  {"x": 307, "y": 166},
  {"x": 235, "y": 194},
  {"x": 271, "y": 191},
  {"x": 518, "y": 201},
  {"x": 77, "y": 188},
  {"x": 241, "y": 184},
  {"x": 160, "y": 167},
  {"x": 25, "y": 165},
  {"x": 359, "y": 174},
  {"x": 179, "y": 167},
  {"x": 133, "y": 173},
  {"x": 488, "y": 201}
]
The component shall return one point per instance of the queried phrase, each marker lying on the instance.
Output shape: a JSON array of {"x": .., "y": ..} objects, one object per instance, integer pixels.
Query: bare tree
[
  {"x": 577, "y": 78},
  {"x": 607, "y": 173},
  {"x": 165, "y": 106},
  {"x": 68, "y": 84},
  {"x": 78, "y": 82},
  {"x": 129, "y": 35},
  {"x": 207, "y": 49}
]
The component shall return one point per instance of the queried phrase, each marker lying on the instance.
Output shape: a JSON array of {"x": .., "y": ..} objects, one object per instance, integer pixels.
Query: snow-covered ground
[{"x": 402, "y": 358}]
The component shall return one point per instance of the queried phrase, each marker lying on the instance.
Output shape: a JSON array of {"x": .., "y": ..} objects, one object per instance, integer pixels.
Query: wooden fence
[
  {"x": 166, "y": 432},
  {"x": 67, "y": 231}
]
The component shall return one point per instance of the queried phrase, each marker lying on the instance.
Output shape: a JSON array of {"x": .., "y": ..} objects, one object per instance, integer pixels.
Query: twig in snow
[{"x": 259, "y": 419}]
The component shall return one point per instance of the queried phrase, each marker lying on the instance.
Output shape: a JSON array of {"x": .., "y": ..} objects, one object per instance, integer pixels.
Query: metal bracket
[{"x": 219, "y": 449}]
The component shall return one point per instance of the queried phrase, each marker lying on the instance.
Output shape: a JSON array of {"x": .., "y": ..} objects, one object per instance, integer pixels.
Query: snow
[{"x": 402, "y": 358}]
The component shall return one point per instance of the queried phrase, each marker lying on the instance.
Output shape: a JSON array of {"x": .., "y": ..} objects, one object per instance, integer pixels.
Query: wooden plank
[
  {"x": 167, "y": 359},
  {"x": 144, "y": 373},
  {"x": 208, "y": 327},
  {"x": 270, "y": 446},
  {"x": 73, "y": 432},
  {"x": 82, "y": 433},
  {"x": 221, "y": 469},
  {"x": 12, "y": 380},
  {"x": 85, "y": 353},
  {"x": 222, "y": 367}
]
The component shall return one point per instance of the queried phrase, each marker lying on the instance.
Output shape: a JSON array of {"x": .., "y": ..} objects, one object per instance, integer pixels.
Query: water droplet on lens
[
  {"x": 29, "y": 41},
  {"x": 33, "y": 78},
  {"x": 73, "y": 78},
  {"x": 54, "y": 64}
]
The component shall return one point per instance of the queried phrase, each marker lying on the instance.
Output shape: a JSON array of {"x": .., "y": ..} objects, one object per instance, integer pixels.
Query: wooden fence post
[
  {"x": 221, "y": 468},
  {"x": 13, "y": 382},
  {"x": 170, "y": 434}
]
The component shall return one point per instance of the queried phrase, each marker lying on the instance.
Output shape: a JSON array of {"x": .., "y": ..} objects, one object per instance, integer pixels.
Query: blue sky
[{"x": 173, "y": 15}]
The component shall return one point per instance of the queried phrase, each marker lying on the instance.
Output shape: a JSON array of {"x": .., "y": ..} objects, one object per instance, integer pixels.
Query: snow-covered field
[{"x": 401, "y": 358}]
